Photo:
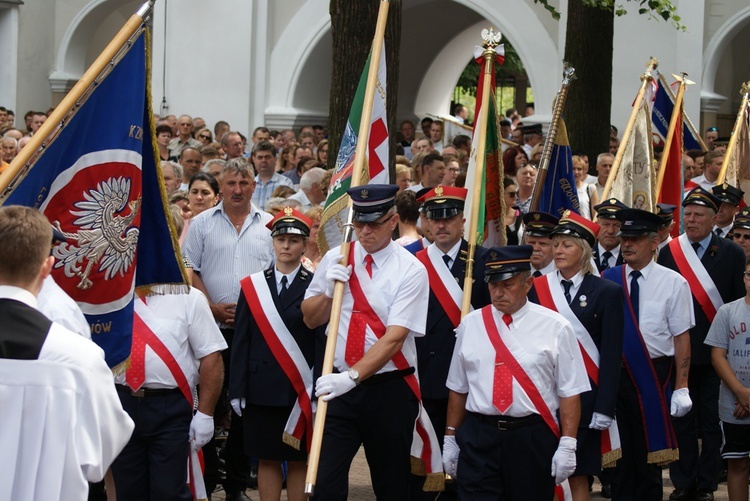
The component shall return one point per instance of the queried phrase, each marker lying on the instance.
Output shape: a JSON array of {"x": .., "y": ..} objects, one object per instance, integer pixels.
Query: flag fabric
[
  {"x": 738, "y": 170},
  {"x": 99, "y": 182},
  {"x": 635, "y": 182},
  {"x": 491, "y": 218},
  {"x": 661, "y": 112},
  {"x": 335, "y": 213},
  {"x": 672, "y": 188},
  {"x": 559, "y": 192}
]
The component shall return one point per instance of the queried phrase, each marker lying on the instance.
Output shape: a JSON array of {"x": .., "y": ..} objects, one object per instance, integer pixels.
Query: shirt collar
[
  {"x": 576, "y": 279},
  {"x": 289, "y": 276},
  {"x": 517, "y": 316},
  {"x": 379, "y": 257},
  {"x": 645, "y": 272},
  {"x": 704, "y": 243},
  {"x": 18, "y": 294},
  {"x": 453, "y": 252},
  {"x": 546, "y": 270}
]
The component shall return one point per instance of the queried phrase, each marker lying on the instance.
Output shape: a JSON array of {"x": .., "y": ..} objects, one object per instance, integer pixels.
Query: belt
[
  {"x": 383, "y": 376},
  {"x": 508, "y": 423},
  {"x": 146, "y": 392},
  {"x": 655, "y": 361}
]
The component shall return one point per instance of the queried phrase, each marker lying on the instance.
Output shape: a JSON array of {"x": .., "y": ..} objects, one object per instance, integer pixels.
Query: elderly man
[
  {"x": 232, "y": 144},
  {"x": 713, "y": 267},
  {"x": 225, "y": 244},
  {"x": 9, "y": 149},
  {"x": 61, "y": 425},
  {"x": 373, "y": 395},
  {"x": 607, "y": 250},
  {"x": 538, "y": 234},
  {"x": 172, "y": 174},
  {"x": 311, "y": 193},
  {"x": 184, "y": 137},
  {"x": 515, "y": 365},
  {"x": 604, "y": 163}
]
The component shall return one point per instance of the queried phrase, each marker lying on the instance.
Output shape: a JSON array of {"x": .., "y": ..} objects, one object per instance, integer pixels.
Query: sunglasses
[
  {"x": 746, "y": 274},
  {"x": 712, "y": 129},
  {"x": 375, "y": 225},
  {"x": 743, "y": 237},
  {"x": 203, "y": 136},
  {"x": 512, "y": 193}
]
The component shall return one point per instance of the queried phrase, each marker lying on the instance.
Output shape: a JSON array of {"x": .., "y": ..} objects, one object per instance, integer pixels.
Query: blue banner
[
  {"x": 99, "y": 182},
  {"x": 660, "y": 116},
  {"x": 559, "y": 192}
]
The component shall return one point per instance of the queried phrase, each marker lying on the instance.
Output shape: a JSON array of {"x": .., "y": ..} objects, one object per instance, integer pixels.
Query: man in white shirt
[
  {"x": 711, "y": 169},
  {"x": 311, "y": 193},
  {"x": 62, "y": 424}
]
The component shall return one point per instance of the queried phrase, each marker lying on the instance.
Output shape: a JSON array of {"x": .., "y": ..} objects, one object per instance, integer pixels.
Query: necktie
[
  {"x": 447, "y": 260},
  {"x": 696, "y": 246},
  {"x": 634, "y": 291},
  {"x": 605, "y": 260},
  {"x": 368, "y": 264},
  {"x": 502, "y": 385},
  {"x": 284, "y": 286},
  {"x": 718, "y": 232},
  {"x": 567, "y": 284},
  {"x": 536, "y": 274}
]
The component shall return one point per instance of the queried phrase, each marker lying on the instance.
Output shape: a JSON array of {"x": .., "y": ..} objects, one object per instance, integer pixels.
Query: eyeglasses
[
  {"x": 512, "y": 193},
  {"x": 204, "y": 136},
  {"x": 375, "y": 225},
  {"x": 746, "y": 274},
  {"x": 744, "y": 236}
]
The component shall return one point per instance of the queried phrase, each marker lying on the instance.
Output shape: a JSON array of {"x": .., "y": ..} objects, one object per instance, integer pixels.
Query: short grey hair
[
  {"x": 239, "y": 165},
  {"x": 9, "y": 139},
  {"x": 280, "y": 203},
  {"x": 177, "y": 168},
  {"x": 311, "y": 177},
  {"x": 207, "y": 166}
]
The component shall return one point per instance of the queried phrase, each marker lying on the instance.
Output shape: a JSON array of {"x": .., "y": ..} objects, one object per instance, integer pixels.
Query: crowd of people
[{"x": 597, "y": 344}]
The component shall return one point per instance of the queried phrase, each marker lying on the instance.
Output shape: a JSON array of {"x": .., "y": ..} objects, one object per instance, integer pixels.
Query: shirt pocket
[{"x": 652, "y": 317}]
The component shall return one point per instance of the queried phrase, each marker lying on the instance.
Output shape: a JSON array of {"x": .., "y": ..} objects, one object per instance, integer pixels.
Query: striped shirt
[
  {"x": 263, "y": 190},
  {"x": 222, "y": 256}
]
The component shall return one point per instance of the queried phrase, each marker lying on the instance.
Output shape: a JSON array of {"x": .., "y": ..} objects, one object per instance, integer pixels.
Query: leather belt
[
  {"x": 146, "y": 392},
  {"x": 508, "y": 423}
]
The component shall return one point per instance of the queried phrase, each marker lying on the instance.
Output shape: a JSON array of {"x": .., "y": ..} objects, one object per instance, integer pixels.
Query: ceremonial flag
[
  {"x": 672, "y": 186},
  {"x": 491, "y": 226},
  {"x": 738, "y": 170},
  {"x": 334, "y": 215},
  {"x": 663, "y": 104},
  {"x": 97, "y": 179},
  {"x": 635, "y": 181},
  {"x": 559, "y": 192}
]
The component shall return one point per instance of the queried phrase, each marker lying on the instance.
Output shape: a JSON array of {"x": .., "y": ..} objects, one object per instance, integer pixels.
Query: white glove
[
  {"x": 336, "y": 272},
  {"x": 238, "y": 404},
  {"x": 600, "y": 421},
  {"x": 333, "y": 385},
  {"x": 681, "y": 403},
  {"x": 201, "y": 430},
  {"x": 450, "y": 455},
  {"x": 564, "y": 460}
]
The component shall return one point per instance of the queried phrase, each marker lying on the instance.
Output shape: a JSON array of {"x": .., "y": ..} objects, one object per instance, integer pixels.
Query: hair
[
  {"x": 711, "y": 155},
  {"x": 407, "y": 207},
  {"x": 225, "y": 138},
  {"x": 218, "y": 126},
  {"x": 311, "y": 177},
  {"x": 578, "y": 161},
  {"x": 209, "y": 150},
  {"x": 197, "y": 133},
  {"x": 461, "y": 140},
  {"x": 305, "y": 134},
  {"x": 9, "y": 139},
  {"x": 207, "y": 166},
  {"x": 431, "y": 158},
  {"x": 509, "y": 159},
  {"x": 315, "y": 213},
  {"x": 275, "y": 204},
  {"x": 508, "y": 181},
  {"x": 425, "y": 120},
  {"x": 264, "y": 146},
  {"x": 261, "y": 129},
  {"x": 204, "y": 176},
  {"x": 320, "y": 146},
  {"x": 239, "y": 165},
  {"x": 176, "y": 213},
  {"x": 178, "y": 196},
  {"x": 289, "y": 149},
  {"x": 177, "y": 168},
  {"x": 600, "y": 156},
  {"x": 283, "y": 191},
  {"x": 694, "y": 154},
  {"x": 27, "y": 236},
  {"x": 188, "y": 148},
  {"x": 584, "y": 265},
  {"x": 401, "y": 168},
  {"x": 163, "y": 128}
]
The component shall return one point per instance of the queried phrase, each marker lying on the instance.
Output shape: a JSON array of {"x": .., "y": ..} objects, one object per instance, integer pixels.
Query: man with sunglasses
[
  {"x": 373, "y": 392},
  {"x": 712, "y": 134},
  {"x": 730, "y": 200},
  {"x": 741, "y": 230}
]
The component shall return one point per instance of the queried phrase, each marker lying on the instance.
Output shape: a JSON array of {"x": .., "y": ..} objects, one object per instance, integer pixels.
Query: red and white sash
[
  {"x": 425, "y": 449},
  {"x": 551, "y": 296},
  {"x": 442, "y": 283},
  {"x": 146, "y": 325},
  {"x": 287, "y": 353},
  {"x": 701, "y": 285}
]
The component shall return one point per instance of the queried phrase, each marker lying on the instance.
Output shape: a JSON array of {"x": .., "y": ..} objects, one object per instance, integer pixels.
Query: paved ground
[{"x": 360, "y": 486}]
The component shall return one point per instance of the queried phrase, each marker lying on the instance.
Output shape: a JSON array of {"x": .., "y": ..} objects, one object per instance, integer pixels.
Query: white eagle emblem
[{"x": 104, "y": 237}]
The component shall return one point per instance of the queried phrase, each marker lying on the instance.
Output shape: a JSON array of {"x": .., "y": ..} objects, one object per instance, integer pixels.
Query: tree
[
  {"x": 588, "y": 48},
  {"x": 352, "y": 29}
]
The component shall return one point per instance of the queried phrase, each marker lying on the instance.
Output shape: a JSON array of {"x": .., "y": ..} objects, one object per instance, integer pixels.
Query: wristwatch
[{"x": 354, "y": 375}]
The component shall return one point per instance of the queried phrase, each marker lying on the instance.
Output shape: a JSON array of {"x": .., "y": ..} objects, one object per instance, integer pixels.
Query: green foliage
[{"x": 655, "y": 9}]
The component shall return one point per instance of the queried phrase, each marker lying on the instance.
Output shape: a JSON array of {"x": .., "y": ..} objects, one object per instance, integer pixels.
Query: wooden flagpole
[
  {"x": 549, "y": 142},
  {"x": 338, "y": 291},
  {"x": 684, "y": 82},
  {"x": 741, "y": 115},
  {"x": 72, "y": 99},
  {"x": 646, "y": 78},
  {"x": 491, "y": 40}
]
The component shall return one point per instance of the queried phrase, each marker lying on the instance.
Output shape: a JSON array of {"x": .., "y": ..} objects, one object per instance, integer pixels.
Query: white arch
[
  {"x": 532, "y": 39},
  {"x": 717, "y": 46}
]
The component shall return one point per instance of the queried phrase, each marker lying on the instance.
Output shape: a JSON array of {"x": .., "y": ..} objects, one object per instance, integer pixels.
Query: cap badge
[
  {"x": 364, "y": 193},
  {"x": 612, "y": 200},
  {"x": 566, "y": 213},
  {"x": 725, "y": 186},
  {"x": 439, "y": 191},
  {"x": 288, "y": 211},
  {"x": 537, "y": 217}
]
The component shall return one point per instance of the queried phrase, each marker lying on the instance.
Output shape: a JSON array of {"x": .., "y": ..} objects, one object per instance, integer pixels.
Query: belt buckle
[
  {"x": 503, "y": 425},
  {"x": 140, "y": 393}
]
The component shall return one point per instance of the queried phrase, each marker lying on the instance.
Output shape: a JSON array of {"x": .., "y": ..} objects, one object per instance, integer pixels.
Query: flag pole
[
  {"x": 741, "y": 115},
  {"x": 646, "y": 78},
  {"x": 491, "y": 39},
  {"x": 549, "y": 142},
  {"x": 72, "y": 100},
  {"x": 684, "y": 82},
  {"x": 692, "y": 128},
  {"x": 338, "y": 291}
]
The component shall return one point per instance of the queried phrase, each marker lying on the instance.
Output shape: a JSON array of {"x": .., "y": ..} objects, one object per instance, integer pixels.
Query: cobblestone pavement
[{"x": 360, "y": 486}]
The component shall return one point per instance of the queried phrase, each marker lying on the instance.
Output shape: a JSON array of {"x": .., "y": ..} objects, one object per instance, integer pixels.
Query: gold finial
[
  {"x": 745, "y": 89},
  {"x": 491, "y": 38},
  {"x": 683, "y": 78}
]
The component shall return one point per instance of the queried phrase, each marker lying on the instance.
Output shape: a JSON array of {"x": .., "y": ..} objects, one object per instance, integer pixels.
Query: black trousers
[
  {"x": 633, "y": 478},
  {"x": 236, "y": 464},
  {"x": 153, "y": 466},
  {"x": 699, "y": 469},
  {"x": 437, "y": 409},
  {"x": 381, "y": 417},
  {"x": 513, "y": 465}
]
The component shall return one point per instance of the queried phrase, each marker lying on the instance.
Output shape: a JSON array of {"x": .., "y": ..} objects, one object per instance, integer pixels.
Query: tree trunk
[
  {"x": 588, "y": 48},
  {"x": 352, "y": 29}
]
